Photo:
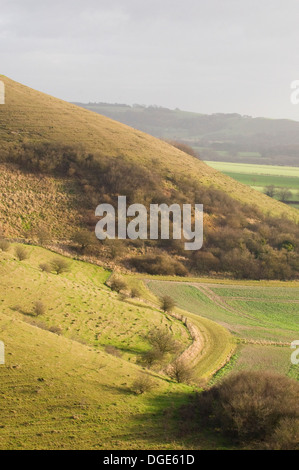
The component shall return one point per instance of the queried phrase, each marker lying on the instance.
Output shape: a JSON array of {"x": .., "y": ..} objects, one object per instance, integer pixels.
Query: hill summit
[{"x": 59, "y": 161}]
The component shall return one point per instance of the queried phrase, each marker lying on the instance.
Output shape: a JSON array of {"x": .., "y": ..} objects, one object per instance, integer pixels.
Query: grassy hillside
[
  {"x": 60, "y": 388},
  {"x": 58, "y": 161},
  {"x": 59, "y": 394},
  {"x": 79, "y": 304},
  {"x": 30, "y": 116},
  {"x": 222, "y": 137}
]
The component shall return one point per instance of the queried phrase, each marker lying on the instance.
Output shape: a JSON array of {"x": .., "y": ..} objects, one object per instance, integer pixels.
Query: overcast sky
[{"x": 198, "y": 55}]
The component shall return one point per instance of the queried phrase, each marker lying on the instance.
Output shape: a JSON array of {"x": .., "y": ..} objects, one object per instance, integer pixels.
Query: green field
[
  {"x": 244, "y": 168},
  {"x": 260, "y": 176},
  {"x": 263, "y": 318}
]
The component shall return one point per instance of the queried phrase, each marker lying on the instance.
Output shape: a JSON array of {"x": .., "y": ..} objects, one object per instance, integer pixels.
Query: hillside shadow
[
  {"x": 167, "y": 424},
  {"x": 19, "y": 309}
]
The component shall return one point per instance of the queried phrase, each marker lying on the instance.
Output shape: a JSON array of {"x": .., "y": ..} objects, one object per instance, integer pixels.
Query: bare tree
[
  {"x": 4, "y": 244},
  {"x": 143, "y": 383},
  {"x": 162, "y": 340},
  {"x": 284, "y": 195},
  {"x": 167, "y": 303},
  {"x": 21, "y": 253},
  {"x": 270, "y": 190},
  {"x": 181, "y": 371},
  {"x": 39, "y": 308},
  {"x": 60, "y": 265}
]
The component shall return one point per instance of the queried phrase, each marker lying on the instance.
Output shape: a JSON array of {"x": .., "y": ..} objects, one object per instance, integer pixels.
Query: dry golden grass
[{"x": 31, "y": 116}]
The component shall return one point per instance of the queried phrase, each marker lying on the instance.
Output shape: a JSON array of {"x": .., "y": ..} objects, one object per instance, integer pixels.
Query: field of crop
[
  {"x": 263, "y": 318},
  {"x": 259, "y": 176}
]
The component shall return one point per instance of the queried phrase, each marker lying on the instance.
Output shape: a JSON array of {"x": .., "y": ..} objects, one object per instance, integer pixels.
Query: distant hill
[
  {"x": 59, "y": 161},
  {"x": 218, "y": 137}
]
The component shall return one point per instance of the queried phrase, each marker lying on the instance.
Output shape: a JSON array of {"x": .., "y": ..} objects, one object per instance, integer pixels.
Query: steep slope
[
  {"x": 63, "y": 391},
  {"x": 31, "y": 116}
]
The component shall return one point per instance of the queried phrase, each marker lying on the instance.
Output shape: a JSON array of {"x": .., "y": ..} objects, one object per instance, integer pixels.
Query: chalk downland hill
[
  {"x": 60, "y": 161},
  {"x": 31, "y": 116}
]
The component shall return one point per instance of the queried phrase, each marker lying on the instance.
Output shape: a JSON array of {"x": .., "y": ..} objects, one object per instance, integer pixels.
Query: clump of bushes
[
  {"x": 4, "y": 244},
  {"x": 162, "y": 342},
  {"x": 55, "y": 329},
  {"x": 43, "y": 234},
  {"x": 159, "y": 264},
  {"x": 135, "y": 293},
  {"x": 143, "y": 383},
  {"x": 39, "y": 308},
  {"x": 181, "y": 371},
  {"x": 21, "y": 253},
  {"x": 183, "y": 147},
  {"x": 161, "y": 339},
  {"x": 252, "y": 407},
  {"x": 167, "y": 303},
  {"x": 117, "y": 284},
  {"x": 45, "y": 267},
  {"x": 116, "y": 248},
  {"x": 60, "y": 265},
  {"x": 84, "y": 240},
  {"x": 239, "y": 240}
]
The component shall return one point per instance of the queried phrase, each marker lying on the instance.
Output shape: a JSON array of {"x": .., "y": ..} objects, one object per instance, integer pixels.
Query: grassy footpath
[
  {"x": 218, "y": 343},
  {"x": 263, "y": 320}
]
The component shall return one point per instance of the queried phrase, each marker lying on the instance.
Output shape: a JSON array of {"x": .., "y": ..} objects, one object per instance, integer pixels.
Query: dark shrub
[
  {"x": 162, "y": 340},
  {"x": 181, "y": 371},
  {"x": 117, "y": 284},
  {"x": 167, "y": 303},
  {"x": 252, "y": 406},
  {"x": 43, "y": 235},
  {"x": 152, "y": 356},
  {"x": 21, "y": 253},
  {"x": 159, "y": 264},
  {"x": 135, "y": 293},
  {"x": 60, "y": 265},
  {"x": 84, "y": 239},
  {"x": 4, "y": 245},
  {"x": 143, "y": 383},
  {"x": 55, "y": 329},
  {"x": 45, "y": 267},
  {"x": 39, "y": 308}
]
